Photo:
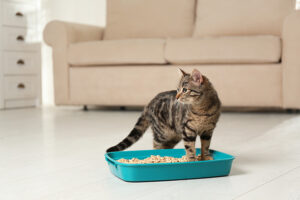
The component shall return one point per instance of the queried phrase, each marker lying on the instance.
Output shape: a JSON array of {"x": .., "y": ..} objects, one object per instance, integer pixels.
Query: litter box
[{"x": 219, "y": 166}]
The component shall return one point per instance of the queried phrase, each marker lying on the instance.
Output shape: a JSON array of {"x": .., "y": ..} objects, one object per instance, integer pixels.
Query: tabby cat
[{"x": 192, "y": 110}]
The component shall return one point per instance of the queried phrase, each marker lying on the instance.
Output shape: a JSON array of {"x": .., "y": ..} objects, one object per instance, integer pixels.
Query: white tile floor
[{"x": 57, "y": 154}]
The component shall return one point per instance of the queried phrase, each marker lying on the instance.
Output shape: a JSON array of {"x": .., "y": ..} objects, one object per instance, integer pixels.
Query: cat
[{"x": 192, "y": 110}]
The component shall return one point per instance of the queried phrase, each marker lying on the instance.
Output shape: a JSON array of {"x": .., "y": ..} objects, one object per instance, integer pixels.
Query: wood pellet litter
[{"x": 156, "y": 159}]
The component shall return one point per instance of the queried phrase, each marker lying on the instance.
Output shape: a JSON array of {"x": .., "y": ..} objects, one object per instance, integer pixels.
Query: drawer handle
[
  {"x": 20, "y": 62},
  {"x": 20, "y": 38},
  {"x": 21, "y": 86},
  {"x": 19, "y": 14}
]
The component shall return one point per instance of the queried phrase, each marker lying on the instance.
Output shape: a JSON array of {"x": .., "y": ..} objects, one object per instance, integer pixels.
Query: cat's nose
[{"x": 178, "y": 95}]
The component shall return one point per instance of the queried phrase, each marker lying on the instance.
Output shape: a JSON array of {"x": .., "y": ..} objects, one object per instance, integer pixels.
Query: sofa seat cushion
[
  {"x": 224, "y": 50},
  {"x": 116, "y": 52}
]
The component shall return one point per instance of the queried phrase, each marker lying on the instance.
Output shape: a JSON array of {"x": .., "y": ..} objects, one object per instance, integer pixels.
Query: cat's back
[
  {"x": 166, "y": 95},
  {"x": 161, "y": 102},
  {"x": 163, "y": 109},
  {"x": 163, "y": 97}
]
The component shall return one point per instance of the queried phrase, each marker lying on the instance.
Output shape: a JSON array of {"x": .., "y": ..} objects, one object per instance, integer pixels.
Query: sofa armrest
[
  {"x": 59, "y": 35},
  {"x": 291, "y": 61}
]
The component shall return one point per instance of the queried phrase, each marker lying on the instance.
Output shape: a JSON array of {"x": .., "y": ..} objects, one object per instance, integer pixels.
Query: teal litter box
[{"x": 220, "y": 166}]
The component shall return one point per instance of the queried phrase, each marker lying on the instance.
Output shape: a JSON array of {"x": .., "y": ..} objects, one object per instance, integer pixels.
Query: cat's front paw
[{"x": 206, "y": 158}]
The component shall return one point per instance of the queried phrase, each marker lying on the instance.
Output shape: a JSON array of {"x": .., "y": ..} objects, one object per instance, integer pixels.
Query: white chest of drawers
[{"x": 20, "y": 50}]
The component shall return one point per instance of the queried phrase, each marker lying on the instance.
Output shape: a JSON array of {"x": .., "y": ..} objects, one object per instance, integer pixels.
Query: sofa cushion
[
  {"x": 241, "y": 17},
  {"x": 132, "y": 51},
  {"x": 149, "y": 18},
  {"x": 230, "y": 49}
]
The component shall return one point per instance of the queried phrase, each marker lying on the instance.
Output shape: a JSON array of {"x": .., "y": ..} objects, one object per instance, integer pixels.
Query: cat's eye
[{"x": 184, "y": 90}]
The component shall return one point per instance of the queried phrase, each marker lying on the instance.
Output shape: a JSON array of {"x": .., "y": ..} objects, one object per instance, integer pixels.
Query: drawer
[
  {"x": 19, "y": 14},
  {"x": 20, "y": 39},
  {"x": 20, "y": 103},
  {"x": 20, "y": 63},
  {"x": 19, "y": 87},
  {"x": 24, "y": 1}
]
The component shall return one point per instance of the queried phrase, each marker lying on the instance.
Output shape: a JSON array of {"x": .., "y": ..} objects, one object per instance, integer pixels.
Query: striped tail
[{"x": 136, "y": 133}]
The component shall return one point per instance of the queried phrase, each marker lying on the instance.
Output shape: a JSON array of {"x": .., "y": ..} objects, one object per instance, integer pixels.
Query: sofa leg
[
  {"x": 122, "y": 108},
  {"x": 85, "y": 108},
  {"x": 291, "y": 111}
]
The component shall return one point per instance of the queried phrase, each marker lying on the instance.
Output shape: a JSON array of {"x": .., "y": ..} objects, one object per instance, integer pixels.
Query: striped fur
[
  {"x": 193, "y": 110},
  {"x": 136, "y": 133}
]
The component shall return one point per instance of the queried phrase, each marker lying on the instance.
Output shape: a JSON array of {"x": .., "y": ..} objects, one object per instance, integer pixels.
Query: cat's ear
[
  {"x": 197, "y": 77},
  {"x": 181, "y": 72}
]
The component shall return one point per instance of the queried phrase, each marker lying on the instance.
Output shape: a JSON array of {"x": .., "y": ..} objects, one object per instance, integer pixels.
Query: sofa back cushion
[
  {"x": 149, "y": 18},
  {"x": 241, "y": 17},
  {"x": 224, "y": 50}
]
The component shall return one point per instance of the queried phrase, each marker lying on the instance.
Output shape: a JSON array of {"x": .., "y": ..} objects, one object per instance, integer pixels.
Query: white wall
[{"x": 80, "y": 11}]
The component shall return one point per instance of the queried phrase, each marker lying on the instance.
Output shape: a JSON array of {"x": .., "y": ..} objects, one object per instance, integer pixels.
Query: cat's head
[{"x": 191, "y": 87}]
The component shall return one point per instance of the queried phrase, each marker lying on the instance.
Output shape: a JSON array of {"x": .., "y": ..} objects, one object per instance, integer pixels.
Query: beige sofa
[{"x": 250, "y": 50}]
